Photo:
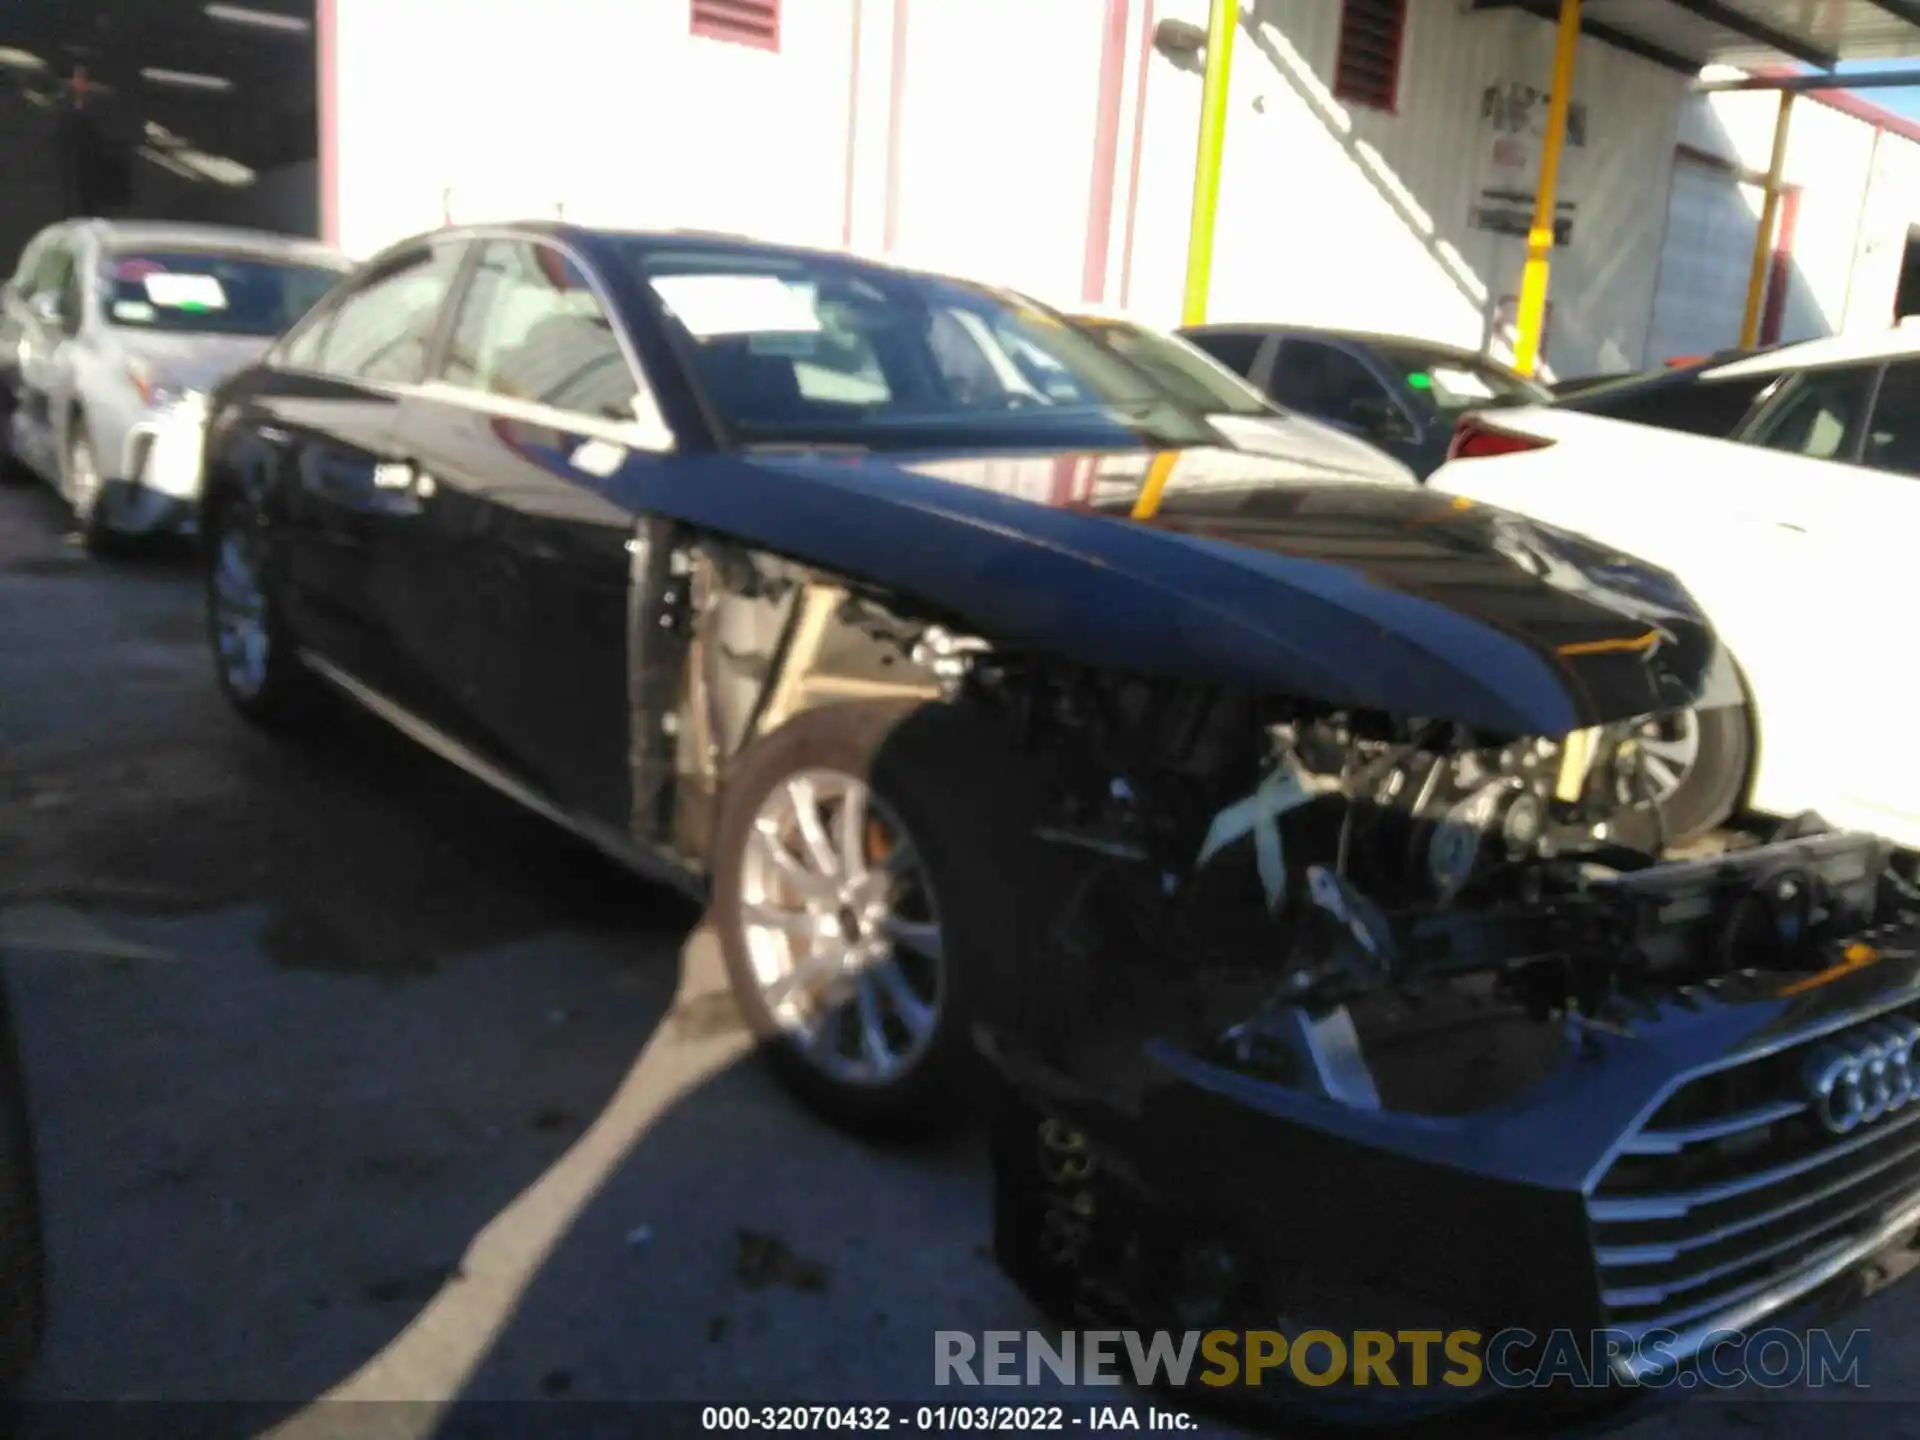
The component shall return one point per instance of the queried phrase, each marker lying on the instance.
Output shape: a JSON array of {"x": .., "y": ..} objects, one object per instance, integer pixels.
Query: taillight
[{"x": 1475, "y": 439}]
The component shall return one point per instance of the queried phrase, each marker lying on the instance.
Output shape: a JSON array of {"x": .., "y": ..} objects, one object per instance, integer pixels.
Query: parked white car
[
  {"x": 112, "y": 333},
  {"x": 1800, "y": 538}
]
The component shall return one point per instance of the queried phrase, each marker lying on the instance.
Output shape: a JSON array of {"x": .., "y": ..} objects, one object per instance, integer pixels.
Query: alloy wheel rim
[
  {"x": 1669, "y": 747},
  {"x": 240, "y": 611},
  {"x": 842, "y": 928}
]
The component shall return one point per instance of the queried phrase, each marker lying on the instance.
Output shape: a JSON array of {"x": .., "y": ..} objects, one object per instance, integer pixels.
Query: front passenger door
[
  {"x": 1331, "y": 385},
  {"x": 535, "y": 435}
]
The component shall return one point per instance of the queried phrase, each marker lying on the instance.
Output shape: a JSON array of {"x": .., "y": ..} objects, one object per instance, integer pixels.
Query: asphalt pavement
[{"x": 353, "y": 1082}]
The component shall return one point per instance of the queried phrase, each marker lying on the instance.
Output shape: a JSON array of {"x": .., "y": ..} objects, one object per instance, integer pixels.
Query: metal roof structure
[{"x": 1686, "y": 35}]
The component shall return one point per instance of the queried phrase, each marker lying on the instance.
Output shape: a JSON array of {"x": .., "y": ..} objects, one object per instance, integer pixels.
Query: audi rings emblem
[{"x": 1867, "y": 1074}]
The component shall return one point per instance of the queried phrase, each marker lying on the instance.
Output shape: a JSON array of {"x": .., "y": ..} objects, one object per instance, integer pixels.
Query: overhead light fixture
[
  {"x": 217, "y": 168},
  {"x": 186, "y": 79},
  {"x": 12, "y": 59},
  {"x": 259, "y": 19},
  {"x": 167, "y": 162}
]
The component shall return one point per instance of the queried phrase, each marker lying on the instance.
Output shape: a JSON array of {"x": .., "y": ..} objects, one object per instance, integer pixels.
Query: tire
[
  {"x": 270, "y": 688},
  {"x": 953, "y": 802},
  {"x": 1714, "y": 785},
  {"x": 12, "y": 471},
  {"x": 23, "y": 1305},
  {"x": 84, "y": 486}
]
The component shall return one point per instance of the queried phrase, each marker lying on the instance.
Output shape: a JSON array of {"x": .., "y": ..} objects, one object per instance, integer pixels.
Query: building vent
[
  {"x": 1367, "y": 69},
  {"x": 744, "y": 22}
]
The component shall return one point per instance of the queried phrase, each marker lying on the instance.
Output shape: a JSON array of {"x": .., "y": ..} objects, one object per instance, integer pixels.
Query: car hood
[
  {"x": 195, "y": 362},
  {"x": 1236, "y": 571},
  {"x": 1325, "y": 448}
]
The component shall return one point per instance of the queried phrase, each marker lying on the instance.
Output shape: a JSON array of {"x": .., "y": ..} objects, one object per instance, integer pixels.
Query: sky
[{"x": 1902, "y": 101}]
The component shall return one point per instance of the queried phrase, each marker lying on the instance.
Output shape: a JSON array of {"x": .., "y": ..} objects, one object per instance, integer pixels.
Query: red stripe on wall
[
  {"x": 1106, "y": 151},
  {"x": 1139, "y": 141},
  {"x": 896, "y": 90},
  {"x": 1780, "y": 273},
  {"x": 327, "y": 96},
  {"x": 853, "y": 127}
]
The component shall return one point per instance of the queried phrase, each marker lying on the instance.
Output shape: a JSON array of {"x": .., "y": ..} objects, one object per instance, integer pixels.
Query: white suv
[{"x": 1798, "y": 533}]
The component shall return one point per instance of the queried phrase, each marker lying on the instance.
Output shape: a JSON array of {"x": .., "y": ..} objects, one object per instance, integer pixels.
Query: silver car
[{"x": 111, "y": 334}]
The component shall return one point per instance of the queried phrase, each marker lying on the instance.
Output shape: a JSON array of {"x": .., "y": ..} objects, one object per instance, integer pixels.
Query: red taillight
[{"x": 1475, "y": 439}]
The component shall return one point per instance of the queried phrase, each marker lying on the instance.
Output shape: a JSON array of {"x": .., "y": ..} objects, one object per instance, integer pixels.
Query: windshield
[
  {"x": 1456, "y": 383},
  {"x": 1186, "y": 372},
  {"x": 202, "y": 292},
  {"x": 818, "y": 350}
]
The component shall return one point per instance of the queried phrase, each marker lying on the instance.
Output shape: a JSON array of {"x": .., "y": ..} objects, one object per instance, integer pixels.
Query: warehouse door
[{"x": 1702, "y": 293}]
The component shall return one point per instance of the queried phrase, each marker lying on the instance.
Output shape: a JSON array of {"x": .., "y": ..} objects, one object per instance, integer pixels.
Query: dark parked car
[
  {"x": 1695, "y": 395},
  {"x": 1402, "y": 394},
  {"x": 22, "y": 1265},
  {"x": 970, "y": 680}
]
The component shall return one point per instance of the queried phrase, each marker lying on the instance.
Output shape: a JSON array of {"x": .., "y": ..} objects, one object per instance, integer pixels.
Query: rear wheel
[
  {"x": 256, "y": 658},
  {"x": 865, "y": 894}
]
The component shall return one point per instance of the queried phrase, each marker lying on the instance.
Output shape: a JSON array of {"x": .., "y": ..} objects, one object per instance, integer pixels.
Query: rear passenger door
[
  {"x": 516, "y": 587},
  {"x": 329, "y": 421}
]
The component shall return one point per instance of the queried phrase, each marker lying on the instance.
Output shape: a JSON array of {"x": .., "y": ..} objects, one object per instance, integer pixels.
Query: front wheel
[
  {"x": 1696, "y": 764},
  {"x": 866, "y": 882},
  {"x": 255, "y": 655},
  {"x": 86, "y": 495}
]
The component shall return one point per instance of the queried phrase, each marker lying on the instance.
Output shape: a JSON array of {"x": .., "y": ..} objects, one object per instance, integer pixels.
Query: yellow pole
[
  {"x": 1763, "y": 237},
  {"x": 1206, "y": 171},
  {"x": 1533, "y": 280}
]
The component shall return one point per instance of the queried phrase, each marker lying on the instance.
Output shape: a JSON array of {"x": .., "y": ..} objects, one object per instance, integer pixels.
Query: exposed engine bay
[{"x": 1310, "y": 897}]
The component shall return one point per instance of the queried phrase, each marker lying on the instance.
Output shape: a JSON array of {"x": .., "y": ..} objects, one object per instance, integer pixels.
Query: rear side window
[
  {"x": 382, "y": 331},
  {"x": 1699, "y": 407},
  {"x": 530, "y": 328},
  {"x": 1821, "y": 416},
  {"x": 1893, "y": 437},
  {"x": 1237, "y": 350}
]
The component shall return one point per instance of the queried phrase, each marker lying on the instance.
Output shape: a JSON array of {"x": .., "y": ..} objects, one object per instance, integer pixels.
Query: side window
[
  {"x": 1321, "y": 380},
  {"x": 1699, "y": 407},
  {"x": 1820, "y": 417},
  {"x": 382, "y": 330},
  {"x": 1238, "y": 350},
  {"x": 1893, "y": 437},
  {"x": 529, "y": 328},
  {"x": 53, "y": 270},
  {"x": 301, "y": 348},
  {"x": 23, "y": 272}
]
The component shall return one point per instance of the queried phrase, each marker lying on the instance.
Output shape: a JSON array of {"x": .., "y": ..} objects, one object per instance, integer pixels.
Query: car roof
[
  {"x": 592, "y": 237},
  {"x": 159, "y": 233},
  {"x": 1895, "y": 342},
  {"x": 1346, "y": 337}
]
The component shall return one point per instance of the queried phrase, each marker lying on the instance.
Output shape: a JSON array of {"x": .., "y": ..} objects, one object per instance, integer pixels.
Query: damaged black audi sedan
[{"x": 1276, "y": 831}]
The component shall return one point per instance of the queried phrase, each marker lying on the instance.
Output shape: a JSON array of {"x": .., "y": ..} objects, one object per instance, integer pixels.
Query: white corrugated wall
[
  {"x": 1887, "y": 219},
  {"x": 1830, "y": 155},
  {"x": 1341, "y": 215},
  {"x": 493, "y": 109}
]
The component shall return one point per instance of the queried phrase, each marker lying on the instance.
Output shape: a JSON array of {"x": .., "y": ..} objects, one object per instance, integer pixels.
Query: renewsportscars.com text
[{"x": 1462, "y": 1359}]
